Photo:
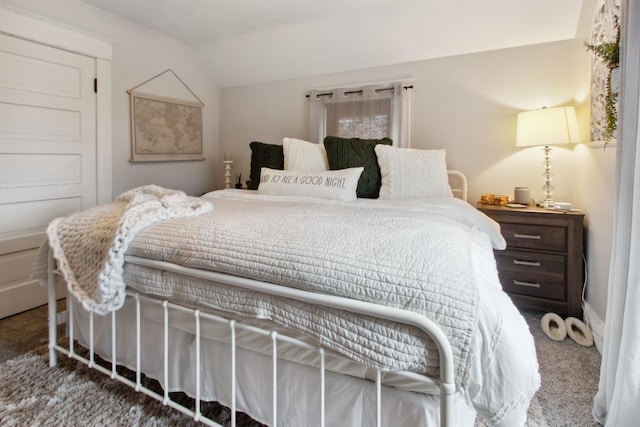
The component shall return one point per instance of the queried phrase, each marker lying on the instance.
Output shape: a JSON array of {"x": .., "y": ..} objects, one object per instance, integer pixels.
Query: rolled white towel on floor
[
  {"x": 553, "y": 326},
  {"x": 578, "y": 331}
]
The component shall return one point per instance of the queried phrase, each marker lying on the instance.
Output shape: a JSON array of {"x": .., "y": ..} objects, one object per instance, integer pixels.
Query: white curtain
[
  {"x": 364, "y": 112},
  {"x": 617, "y": 402}
]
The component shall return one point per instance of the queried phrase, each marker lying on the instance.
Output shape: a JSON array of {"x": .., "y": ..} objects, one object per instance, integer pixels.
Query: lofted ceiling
[{"x": 246, "y": 42}]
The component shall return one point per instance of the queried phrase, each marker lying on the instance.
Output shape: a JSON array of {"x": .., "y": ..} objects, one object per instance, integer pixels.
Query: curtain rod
[{"x": 358, "y": 91}]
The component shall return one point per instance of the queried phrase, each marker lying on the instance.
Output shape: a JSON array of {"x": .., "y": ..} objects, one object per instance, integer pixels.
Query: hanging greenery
[{"x": 609, "y": 53}]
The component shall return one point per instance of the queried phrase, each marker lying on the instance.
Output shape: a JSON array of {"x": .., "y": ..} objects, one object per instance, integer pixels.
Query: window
[
  {"x": 364, "y": 118},
  {"x": 365, "y": 112}
]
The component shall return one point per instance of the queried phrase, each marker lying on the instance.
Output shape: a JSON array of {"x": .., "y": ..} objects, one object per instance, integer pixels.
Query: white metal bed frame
[{"x": 445, "y": 382}]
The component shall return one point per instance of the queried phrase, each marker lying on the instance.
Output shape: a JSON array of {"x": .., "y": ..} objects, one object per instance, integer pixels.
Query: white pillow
[
  {"x": 410, "y": 173},
  {"x": 302, "y": 155},
  {"x": 337, "y": 185}
]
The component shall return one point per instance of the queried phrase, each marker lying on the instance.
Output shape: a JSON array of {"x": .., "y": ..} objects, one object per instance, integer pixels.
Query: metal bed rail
[{"x": 446, "y": 381}]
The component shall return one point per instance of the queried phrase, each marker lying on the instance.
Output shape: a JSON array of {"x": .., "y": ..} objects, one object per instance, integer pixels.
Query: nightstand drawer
[
  {"x": 541, "y": 237},
  {"x": 532, "y": 285},
  {"x": 532, "y": 263},
  {"x": 541, "y": 267}
]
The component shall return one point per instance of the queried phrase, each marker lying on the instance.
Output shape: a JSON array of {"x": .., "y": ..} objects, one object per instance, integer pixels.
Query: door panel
[
  {"x": 47, "y": 155},
  {"x": 29, "y": 123},
  {"x": 35, "y": 214},
  {"x": 38, "y": 69},
  {"x": 25, "y": 170}
]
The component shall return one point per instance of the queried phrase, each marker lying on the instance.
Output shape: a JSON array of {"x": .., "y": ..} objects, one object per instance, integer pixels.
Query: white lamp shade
[{"x": 547, "y": 126}]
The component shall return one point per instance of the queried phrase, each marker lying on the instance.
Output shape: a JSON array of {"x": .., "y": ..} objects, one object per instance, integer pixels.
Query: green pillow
[
  {"x": 264, "y": 156},
  {"x": 345, "y": 153}
]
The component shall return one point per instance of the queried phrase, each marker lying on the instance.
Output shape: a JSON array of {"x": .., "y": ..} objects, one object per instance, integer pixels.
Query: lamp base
[{"x": 547, "y": 204}]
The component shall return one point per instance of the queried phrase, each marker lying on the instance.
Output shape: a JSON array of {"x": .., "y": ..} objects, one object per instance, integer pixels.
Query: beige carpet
[
  {"x": 71, "y": 394},
  {"x": 31, "y": 393}
]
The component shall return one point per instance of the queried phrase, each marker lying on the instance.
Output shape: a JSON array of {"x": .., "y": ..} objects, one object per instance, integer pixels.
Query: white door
[{"x": 47, "y": 155}]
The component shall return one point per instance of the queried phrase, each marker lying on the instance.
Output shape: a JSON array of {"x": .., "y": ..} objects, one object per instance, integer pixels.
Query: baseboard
[
  {"x": 25, "y": 296},
  {"x": 595, "y": 324}
]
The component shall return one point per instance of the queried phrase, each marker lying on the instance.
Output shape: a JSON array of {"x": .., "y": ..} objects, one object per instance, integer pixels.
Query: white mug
[{"x": 521, "y": 195}]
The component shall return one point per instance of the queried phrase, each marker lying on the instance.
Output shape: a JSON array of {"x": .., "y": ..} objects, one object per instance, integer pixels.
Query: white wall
[
  {"x": 595, "y": 187},
  {"x": 468, "y": 105},
  {"x": 138, "y": 54}
]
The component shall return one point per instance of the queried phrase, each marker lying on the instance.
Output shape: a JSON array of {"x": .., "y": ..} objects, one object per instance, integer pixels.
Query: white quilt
[{"x": 432, "y": 257}]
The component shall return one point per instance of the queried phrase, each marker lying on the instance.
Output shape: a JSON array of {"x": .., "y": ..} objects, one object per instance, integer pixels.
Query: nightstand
[{"x": 542, "y": 266}]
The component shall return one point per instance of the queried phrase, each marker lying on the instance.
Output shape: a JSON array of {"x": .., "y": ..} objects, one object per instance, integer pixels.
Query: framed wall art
[
  {"x": 604, "y": 74},
  {"x": 165, "y": 129}
]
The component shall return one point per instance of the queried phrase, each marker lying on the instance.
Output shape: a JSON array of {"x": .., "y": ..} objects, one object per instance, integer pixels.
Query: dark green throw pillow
[
  {"x": 345, "y": 153},
  {"x": 264, "y": 156}
]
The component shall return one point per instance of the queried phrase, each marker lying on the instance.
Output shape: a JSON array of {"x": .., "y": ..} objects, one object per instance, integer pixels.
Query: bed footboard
[{"x": 445, "y": 383}]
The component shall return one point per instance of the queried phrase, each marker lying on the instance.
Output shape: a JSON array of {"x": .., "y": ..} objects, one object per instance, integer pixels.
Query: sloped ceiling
[{"x": 255, "y": 41}]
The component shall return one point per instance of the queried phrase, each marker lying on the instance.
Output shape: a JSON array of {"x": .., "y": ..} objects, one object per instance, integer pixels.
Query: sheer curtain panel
[
  {"x": 364, "y": 112},
  {"x": 617, "y": 402}
]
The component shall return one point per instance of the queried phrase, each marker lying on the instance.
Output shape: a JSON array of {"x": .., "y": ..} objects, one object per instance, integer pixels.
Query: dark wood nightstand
[{"x": 542, "y": 266}]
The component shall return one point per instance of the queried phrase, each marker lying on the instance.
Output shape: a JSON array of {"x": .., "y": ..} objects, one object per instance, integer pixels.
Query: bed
[{"x": 302, "y": 310}]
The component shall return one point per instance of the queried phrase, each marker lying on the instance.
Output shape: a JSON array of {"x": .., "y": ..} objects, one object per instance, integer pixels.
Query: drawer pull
[
  {"x": 527, "y": 263},
  {"x": 527, "y": 236},
  {"x": 527, "y": 284}
]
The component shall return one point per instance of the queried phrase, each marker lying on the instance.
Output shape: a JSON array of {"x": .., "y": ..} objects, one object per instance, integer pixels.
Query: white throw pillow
[
  {"x": 302, "y": 155},
  {"x": 337, "y": 185},
  {"x": 411, "y": 173}
]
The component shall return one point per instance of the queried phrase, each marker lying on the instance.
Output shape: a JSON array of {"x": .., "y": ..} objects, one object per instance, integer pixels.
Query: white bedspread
[{"x": 432, "y": 257}]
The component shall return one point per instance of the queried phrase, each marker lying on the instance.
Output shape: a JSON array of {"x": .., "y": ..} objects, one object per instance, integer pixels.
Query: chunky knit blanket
[{"x": 89, "y": 246}]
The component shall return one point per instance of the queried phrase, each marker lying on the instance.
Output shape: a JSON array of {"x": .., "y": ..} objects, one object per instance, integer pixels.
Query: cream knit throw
[{"x": 89, "y": 246}]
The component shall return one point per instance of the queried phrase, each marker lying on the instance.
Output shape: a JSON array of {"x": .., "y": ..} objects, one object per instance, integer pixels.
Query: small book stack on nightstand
[{"x": 542, "y": 266}]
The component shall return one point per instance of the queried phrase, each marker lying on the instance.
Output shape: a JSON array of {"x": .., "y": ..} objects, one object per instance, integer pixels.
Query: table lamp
[{"x": 546, "y": 127}]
